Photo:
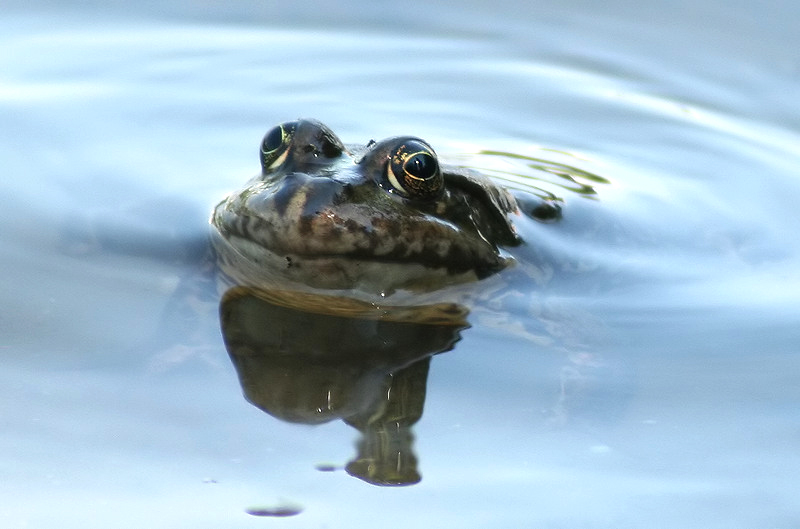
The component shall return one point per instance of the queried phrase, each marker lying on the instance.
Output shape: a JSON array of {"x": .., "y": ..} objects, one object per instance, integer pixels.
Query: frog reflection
[{"x": 344, "y": 360}]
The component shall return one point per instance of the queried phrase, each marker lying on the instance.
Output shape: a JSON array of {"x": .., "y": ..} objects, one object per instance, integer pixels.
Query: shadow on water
[{"x": 312, "y": 359}]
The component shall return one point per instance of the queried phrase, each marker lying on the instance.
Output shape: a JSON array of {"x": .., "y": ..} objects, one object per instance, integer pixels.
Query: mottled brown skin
[{"x": 320, "y": 208}]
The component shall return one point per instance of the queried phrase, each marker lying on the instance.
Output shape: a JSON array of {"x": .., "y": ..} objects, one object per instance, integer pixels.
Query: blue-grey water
[{"x": 658, "y": 388}]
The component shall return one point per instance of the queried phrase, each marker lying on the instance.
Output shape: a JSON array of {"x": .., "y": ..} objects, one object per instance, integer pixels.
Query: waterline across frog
[{"x": 375, "y": 219}]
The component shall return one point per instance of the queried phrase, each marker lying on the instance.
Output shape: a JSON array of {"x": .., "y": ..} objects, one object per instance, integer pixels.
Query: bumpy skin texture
[{"x": 320, "y": 209}]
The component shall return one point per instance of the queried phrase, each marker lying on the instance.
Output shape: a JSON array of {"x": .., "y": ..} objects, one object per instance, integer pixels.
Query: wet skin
[{"x": 377, "y": 218}]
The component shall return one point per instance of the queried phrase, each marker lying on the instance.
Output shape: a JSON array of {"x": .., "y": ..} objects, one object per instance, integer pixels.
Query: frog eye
[
  {"x": 414, "y": 172},
  {"x": 275, "y": 145}
]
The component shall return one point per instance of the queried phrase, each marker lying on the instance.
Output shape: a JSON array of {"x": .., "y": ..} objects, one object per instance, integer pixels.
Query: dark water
[{"x": 658, "y": 387}]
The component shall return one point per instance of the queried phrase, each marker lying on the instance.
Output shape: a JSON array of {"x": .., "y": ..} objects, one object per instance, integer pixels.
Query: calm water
[{"x": 657, "y": 387}]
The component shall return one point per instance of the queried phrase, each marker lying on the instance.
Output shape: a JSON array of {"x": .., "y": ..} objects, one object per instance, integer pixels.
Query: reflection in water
[
  {"x": 311, "y": 359},
  {"x": 533, "y": 174}
]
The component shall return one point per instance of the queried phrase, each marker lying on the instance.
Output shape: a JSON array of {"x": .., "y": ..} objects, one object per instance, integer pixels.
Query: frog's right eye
[
  {"x": 275, "y": 145},
  {"x": 413, "y": 171}
]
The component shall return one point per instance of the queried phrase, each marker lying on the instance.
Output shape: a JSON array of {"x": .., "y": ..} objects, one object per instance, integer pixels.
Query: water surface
[{"x": 651, "y": 381}]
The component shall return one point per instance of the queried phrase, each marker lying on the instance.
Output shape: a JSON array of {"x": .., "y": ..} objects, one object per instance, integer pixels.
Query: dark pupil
[
  {"x": 273, "y": 139},
  {"x": 421, "y": 165}
]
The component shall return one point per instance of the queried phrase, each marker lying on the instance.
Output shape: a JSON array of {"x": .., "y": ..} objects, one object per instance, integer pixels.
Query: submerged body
[{"x": 375, "y": 219}]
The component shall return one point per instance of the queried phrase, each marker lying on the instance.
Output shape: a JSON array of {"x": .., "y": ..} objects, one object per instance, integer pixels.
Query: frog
[
  {"x": 306, "y": 247},
  {"x": 375, "y": 219}
]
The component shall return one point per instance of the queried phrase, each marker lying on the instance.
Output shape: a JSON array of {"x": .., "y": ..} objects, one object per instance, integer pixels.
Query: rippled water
[{"x": 651, "y": 381}]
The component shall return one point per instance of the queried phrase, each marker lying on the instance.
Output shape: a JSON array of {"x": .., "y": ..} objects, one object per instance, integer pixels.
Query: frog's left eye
[
  {"x": 413, "y": 171},
  {"x": 275, "y": 145}
]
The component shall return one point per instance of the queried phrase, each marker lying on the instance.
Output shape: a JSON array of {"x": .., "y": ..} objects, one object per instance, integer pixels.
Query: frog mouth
[
  {"x": 247, "y": 262},
  {"x": 420, "y": 240}
]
